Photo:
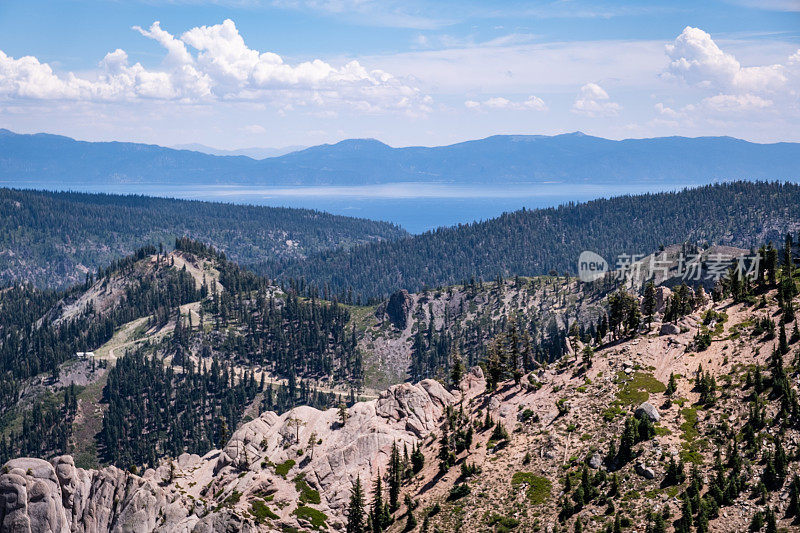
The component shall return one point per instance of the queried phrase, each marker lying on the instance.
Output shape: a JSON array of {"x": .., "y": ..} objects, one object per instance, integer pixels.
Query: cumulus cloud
[
  {"x": 746, "y": 92},
  {"x": 223, "y": 67},
  {"x": 696, "y": 59},
  {"x": 533, "y": 103},
  {"x": 593, "y": 101}
]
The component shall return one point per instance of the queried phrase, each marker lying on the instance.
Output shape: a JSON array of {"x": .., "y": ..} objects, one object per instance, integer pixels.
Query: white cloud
[
  {"x": 742, "y": 95},
  {"x": 533, "y": 103},
  {"x": 696, "y": 59},
  {"x": 593, "y": 101},
  {"x": 255, "y": 129},
  {"x": 727, "y": 103},
  {"x": 224, "y": 68}
]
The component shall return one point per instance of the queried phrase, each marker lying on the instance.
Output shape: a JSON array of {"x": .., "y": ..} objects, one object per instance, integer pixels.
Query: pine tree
[
  {"x": 757, "y": 523},
  {"x": 456, "y": 368},
  {"x": 445, "y": 455},
  {"x": 395, "y": 478},
  {"x": 783, "y": 345},
  {"x": 379, "y": 511},
  {"x": 588, "y": 353},
  {"x": 672, "y": 385},
  {"x": 772, "y": 526},
  {"x": 417, "y": 460},
  {"x": 411, "y": 521},
  {"x": 355, "y": 510},
  {"x": 649, "y": 302},
  {"x": 659, "y": 524}
]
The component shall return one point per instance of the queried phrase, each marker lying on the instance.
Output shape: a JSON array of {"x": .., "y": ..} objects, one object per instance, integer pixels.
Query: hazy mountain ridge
[
  {"x": 575, "y": 157},
  {"x": 253, "y": 152}
]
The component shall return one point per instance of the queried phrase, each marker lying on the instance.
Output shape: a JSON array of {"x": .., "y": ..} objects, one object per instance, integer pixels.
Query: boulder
[
  {"x": 668, "y": 328},
  {"x": 645, "y": 471},
  {"x": 596, "y": 461},
  {"x": 648, "y": 410}
]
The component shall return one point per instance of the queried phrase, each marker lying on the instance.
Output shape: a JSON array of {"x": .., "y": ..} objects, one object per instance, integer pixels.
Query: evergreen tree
[
  {"x": 355, "y": 510},
  {"x": 395, "y": 478},
  {"x": 649, "y": 302}
]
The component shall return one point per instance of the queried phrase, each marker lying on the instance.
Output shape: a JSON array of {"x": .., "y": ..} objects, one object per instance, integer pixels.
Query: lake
[{"x": 417, "y": 207}]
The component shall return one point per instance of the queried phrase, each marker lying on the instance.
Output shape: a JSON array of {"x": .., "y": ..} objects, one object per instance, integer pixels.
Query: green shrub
[
  {"x": 315, "y": 517},
  {"x": 307, "y": 494},
  {"x": 261, "y": 512},
  {"x": 539, "y": 487},
  {"x": 283, "y": 468},
  {"x": 459, "y": 491}
]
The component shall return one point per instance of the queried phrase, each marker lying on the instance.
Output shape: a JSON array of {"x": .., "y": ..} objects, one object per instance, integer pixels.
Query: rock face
[
  {"x": 398, "y": 308},
  {"x": 648, "y": 410},
  {"x": 209, "y": 494},
  {"x": 403, "y": 414},
  {"x": 56, "y": 497},
  {"x": 663, "y": 295}
]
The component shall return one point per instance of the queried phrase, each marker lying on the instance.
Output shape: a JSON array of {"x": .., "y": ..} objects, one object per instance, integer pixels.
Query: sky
[{"x": 271, "y": 73}]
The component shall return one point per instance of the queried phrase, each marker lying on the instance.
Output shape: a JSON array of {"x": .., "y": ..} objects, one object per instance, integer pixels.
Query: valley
[
  {"x": 218, "y": 399},
  {"x": 653, "y": 427}
]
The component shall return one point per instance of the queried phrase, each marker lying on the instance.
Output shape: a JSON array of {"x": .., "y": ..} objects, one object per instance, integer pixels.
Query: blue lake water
[{"x": 417, "y": 207}]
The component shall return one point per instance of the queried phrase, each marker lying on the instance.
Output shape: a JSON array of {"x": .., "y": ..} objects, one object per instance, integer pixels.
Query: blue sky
[{"x": 234, "y": 74}]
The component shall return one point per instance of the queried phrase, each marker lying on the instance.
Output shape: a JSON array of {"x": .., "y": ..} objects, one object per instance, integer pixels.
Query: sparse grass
[
  {"x": 661, "y": 431},
  {"x": 232, "y": 499},
  {"x": 539, "y": 487},
  {"x": 307, "y": 494},
  {"x": 690, "y": 436},
  {"x": 317, "y": 518},
  {"x": 261, "y": 512},
  {"x": 500, "y": 523},
  {"x": 638, "y": 387},
  {"x": 283, "y": 468},
  {"x": 613, "y": 411}
]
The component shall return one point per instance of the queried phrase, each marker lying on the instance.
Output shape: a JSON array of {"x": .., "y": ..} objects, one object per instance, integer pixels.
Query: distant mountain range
[
  {"x": 253, "y": 153},
  {"x": 49, "y": 160}
]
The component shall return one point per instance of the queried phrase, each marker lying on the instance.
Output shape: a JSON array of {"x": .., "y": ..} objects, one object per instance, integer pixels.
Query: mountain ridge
[{"x": 500, "y": 159}]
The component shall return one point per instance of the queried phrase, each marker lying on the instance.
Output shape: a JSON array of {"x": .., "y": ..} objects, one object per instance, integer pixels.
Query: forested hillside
[
  {"x": 678, "y": 414},
  {"x": 54, "y": 238},
  {"x": 535, "y": 242},
  {"x": 192, "y": 342}
]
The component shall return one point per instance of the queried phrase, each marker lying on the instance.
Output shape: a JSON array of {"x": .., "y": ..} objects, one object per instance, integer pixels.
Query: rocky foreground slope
[
  {"x": 306, "y": 456},
  {"x": 716, "y": 448}
]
